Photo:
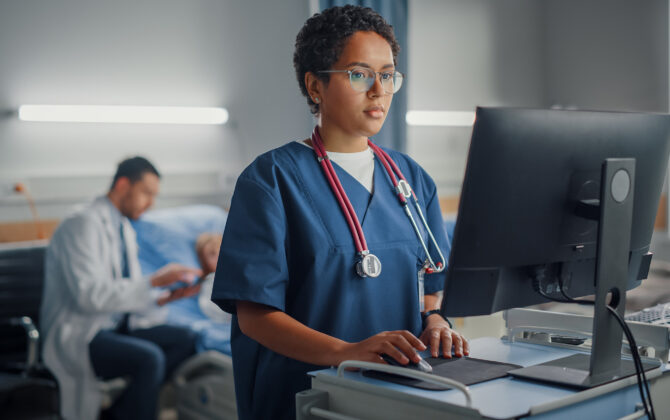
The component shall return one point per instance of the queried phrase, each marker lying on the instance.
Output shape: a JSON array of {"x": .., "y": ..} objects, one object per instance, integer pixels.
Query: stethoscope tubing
[
  {"x": 340, "y": 195},
  {"x": 391, "y": 167},
  {"x": 350, "y": 215}
]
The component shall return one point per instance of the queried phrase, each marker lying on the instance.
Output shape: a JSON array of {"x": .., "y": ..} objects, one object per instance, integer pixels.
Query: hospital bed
[
  {"x": 204, "y": 386},
  {"x": 169, "y": 235},
  {"x": 205, "y": 389}
]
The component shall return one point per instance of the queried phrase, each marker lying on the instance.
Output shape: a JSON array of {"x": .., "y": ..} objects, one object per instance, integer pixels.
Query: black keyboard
[{"x": 659, "y": 314}]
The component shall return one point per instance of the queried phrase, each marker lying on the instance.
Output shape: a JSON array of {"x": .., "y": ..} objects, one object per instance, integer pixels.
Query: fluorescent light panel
[
  {"x": 123, "y": 114},
  {"x": 441, "y": 118}
]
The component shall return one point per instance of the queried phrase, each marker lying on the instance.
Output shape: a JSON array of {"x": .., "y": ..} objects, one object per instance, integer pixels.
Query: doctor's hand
[
  {"x": 182, "y": 292},
  {"x": 438, "y": 332},
  {"x": 400, "y": 345},
  {"x": 173, "y": 273}
]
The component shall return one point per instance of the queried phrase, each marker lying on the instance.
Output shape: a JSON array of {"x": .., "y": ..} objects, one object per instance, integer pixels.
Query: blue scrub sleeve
[{"x": 252, "y": 263}]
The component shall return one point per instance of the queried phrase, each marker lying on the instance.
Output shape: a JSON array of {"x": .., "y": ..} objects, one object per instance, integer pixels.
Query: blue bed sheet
[{"x": 169, "y": 235}]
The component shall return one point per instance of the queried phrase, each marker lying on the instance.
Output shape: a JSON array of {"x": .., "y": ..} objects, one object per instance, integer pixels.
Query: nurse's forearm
[
  {"x": 432, "y": 301},
  {"x": 283, "y": 334}
]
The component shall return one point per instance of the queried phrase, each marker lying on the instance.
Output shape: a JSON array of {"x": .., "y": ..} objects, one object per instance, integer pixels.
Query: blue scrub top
[{"x": 287, "y": 245}]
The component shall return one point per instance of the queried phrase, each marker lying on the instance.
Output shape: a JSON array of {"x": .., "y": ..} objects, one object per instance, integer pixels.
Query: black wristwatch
[{"x": 425, "y": 315}]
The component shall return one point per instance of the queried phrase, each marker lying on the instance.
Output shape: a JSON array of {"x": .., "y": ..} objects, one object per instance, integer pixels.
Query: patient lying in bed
[
  {"x": 207, "y": 247},
  {"x": 176, "y": 235}
]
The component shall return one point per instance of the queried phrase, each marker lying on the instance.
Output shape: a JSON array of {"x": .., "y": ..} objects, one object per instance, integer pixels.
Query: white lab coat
[{"x": 83, "y": 292}]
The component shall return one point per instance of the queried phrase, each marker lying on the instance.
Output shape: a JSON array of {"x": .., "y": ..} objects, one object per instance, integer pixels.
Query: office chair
[{"x": 27, "y": 388}]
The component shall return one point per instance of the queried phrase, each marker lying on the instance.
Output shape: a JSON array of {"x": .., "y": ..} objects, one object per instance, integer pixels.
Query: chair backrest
[{"x": 21, "y": 283}]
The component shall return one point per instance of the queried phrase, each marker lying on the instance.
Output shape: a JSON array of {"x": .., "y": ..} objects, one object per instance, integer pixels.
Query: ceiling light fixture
[{"x": 123, "y": 114}]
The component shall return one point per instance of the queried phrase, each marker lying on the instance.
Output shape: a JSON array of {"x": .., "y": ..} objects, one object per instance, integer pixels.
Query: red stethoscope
[{"x": 369, "y": 265}]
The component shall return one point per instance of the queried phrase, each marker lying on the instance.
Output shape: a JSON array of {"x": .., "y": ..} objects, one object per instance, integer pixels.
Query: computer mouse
[{"x": 422, "y": 366}]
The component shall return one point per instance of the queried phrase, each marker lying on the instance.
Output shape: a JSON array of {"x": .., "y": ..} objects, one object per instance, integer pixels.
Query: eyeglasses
[{"x": 362, "y": 79}]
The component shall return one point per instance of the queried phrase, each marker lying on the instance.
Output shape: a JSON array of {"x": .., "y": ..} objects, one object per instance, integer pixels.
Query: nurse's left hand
[{"x": 438, "y": 332}]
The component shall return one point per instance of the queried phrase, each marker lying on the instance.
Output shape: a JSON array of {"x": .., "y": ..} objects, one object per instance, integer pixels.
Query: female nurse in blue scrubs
[{"x": 290, "y": 263}]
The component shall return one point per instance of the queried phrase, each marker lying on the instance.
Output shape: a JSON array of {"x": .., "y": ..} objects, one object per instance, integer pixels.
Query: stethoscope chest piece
[{"x": 369, "y": 266}]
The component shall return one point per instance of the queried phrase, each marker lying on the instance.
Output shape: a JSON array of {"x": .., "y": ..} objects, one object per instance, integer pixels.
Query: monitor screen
[{"x": 522, "y": 222}]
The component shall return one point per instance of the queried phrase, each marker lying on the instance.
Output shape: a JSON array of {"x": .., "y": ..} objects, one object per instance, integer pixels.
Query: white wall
[
  {"x": 590, "y": 54},
  {"x": 465, "y": 53},
  {"x": 607, "y": 54},
  {"x": 235, "y": 53}
]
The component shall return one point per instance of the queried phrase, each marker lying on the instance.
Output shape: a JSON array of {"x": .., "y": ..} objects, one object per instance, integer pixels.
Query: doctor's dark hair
[
  {"x": 133, "y": 169},
  {"x": 323, "y": 37}
]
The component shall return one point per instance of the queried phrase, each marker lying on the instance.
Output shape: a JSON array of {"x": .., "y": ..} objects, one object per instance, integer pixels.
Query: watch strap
[{"x": 425, "y": 315}]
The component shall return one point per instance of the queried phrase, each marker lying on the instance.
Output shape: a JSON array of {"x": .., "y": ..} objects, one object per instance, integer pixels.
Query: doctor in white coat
[{"x": 92, "y": 280}]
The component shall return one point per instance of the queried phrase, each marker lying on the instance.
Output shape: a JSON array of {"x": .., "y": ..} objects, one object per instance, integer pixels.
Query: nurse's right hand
[{"x": 400, "y": 345}]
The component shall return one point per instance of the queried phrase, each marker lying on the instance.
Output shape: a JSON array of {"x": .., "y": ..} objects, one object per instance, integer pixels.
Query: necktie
[
  {"x": 123, "y": 326},
  {"x": 125, "y": 271}
]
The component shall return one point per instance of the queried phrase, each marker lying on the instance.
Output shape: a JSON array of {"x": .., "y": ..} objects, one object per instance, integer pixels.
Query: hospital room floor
[
  {"x": 168, "y": 413},
  {"x": 167, "y": 404}
]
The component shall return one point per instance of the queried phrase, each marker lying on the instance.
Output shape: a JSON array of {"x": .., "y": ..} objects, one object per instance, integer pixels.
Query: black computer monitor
[{"x": 534, "y": 205}]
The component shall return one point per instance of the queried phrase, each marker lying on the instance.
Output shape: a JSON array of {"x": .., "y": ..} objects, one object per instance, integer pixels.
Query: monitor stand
[{"x": 614, "y": 230}]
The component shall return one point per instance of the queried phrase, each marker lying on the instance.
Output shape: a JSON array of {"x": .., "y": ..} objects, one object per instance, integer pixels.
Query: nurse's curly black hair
[{"x": 323, "y": 37}]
